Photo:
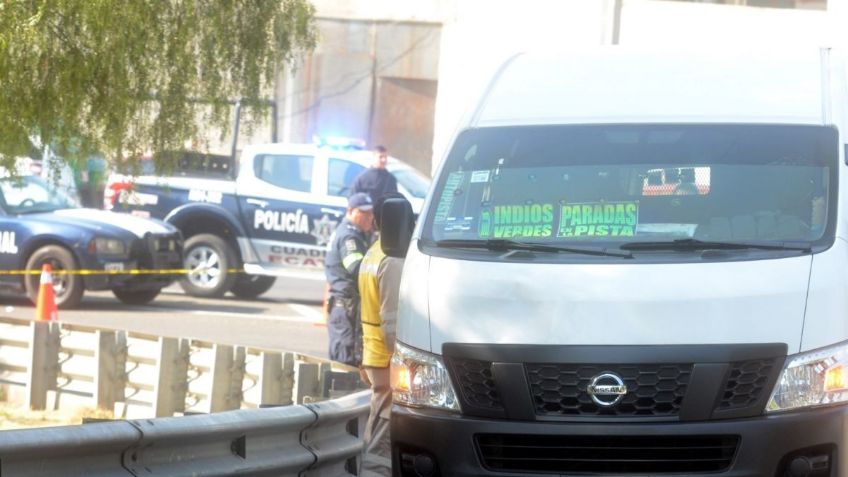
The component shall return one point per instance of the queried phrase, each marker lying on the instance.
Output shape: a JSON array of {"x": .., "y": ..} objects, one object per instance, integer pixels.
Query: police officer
[
  {"x": 375, "y": 181},
  {"x": 347, "y": 248}
]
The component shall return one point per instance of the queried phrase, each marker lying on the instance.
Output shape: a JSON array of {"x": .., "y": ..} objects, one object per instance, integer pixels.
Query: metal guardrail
[
  {"x": 53, "y": 365},
  {"x": 298, "y": 440}
]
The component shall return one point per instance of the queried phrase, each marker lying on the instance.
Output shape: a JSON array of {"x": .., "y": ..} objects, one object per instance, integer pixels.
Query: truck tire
[
  {"x": 67, "y": 288},
  {"x": 211, "y": 259},
  {"x": 251, "y": 286},
  {"x": 136, "y": 297}
]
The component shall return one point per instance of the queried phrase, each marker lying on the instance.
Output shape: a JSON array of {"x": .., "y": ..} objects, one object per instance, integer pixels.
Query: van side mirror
[{"x": 397, "y": 221}]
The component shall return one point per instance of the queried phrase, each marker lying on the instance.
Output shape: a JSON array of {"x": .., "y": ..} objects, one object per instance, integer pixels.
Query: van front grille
[
  {"x": 606, "y": 454},
  {"x": 745, "y": 383},
  {"x": 476, "y": 384},
  {"x": 653, "y": 390}
]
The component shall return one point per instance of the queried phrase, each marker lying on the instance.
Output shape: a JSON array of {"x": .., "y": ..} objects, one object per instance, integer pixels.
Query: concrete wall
[
  {"x": 373, "y": 77},
  {"x": 380, "y": 63}
]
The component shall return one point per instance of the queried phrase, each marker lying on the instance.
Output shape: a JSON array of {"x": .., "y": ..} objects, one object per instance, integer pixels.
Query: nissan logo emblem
[{"x": 606, "y": 389}]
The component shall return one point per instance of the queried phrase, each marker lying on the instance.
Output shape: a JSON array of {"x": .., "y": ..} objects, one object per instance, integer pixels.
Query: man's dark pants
[{"x": 343, "y": 330}]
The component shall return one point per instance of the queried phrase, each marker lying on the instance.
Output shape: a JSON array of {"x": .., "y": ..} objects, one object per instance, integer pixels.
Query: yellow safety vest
[{"x": 375, "y": 351}]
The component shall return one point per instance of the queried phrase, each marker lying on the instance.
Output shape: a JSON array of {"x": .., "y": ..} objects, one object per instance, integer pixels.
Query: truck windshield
[
  {"x": 29, "y": 194},
  {"x": 611, "y": 185}
]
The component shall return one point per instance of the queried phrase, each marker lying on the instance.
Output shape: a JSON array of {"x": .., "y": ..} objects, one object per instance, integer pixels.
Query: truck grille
[
  {"x": 476, "y": 385},
  {"x": 158, "y": 252},
  {"x": 606, "y": 454},
  {"x": 745, "y": 383},
  {"x": 652, "y": 389},
  {"x": 501, "y": 386}
]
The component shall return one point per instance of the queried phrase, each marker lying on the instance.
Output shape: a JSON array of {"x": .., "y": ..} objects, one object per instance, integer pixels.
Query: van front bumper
[{"x": 765, "y": 446}]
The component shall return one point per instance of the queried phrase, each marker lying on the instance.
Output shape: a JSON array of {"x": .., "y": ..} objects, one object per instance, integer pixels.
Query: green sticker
[
  {"x": 605, "y": 219},
  {"x": 517, "y": 221}
]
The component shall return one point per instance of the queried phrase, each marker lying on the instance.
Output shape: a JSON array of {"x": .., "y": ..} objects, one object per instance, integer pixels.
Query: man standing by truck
[
  {"x": 379, "y": 286},
  {"x": 375, "y": 181},
  {"x": 347, "y": 248}
]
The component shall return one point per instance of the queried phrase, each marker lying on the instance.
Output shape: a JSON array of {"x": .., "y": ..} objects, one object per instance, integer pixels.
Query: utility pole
[
  {"x": 616, "y": 21},
  {"x": 373, "y": 105}
]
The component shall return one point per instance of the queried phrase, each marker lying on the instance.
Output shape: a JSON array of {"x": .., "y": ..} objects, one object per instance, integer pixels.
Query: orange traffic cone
[{"x": 45, "y": 305}]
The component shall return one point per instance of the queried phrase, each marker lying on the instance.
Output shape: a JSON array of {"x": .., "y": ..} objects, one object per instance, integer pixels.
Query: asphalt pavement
[{"x": 287, "y": 318}]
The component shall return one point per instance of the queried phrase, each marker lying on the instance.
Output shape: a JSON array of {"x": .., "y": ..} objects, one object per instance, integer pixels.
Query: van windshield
[{"x": 609, "y": 185}]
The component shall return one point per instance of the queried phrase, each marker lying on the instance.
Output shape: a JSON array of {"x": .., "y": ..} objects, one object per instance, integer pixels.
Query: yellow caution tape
[{"x": 175, "y": 271}]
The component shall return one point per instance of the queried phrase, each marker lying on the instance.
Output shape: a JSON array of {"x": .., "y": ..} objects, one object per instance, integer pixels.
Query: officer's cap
[{"x": 360, "y": 201}]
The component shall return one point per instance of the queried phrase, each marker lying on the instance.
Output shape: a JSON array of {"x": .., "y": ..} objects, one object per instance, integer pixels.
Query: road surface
[{"x": 288, "y": 317}]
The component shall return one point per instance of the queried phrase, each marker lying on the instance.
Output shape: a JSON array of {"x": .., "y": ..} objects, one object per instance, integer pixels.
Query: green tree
[{"x": 120, "y": 76}]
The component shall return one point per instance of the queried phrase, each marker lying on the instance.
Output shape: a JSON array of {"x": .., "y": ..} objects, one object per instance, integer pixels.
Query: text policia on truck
[
  {"x": 273, "y": 217},
  {"x": 631, "y": 263}
]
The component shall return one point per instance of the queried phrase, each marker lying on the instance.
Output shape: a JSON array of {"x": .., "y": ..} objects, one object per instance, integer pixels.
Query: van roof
[{"x": 622, "y": 85}]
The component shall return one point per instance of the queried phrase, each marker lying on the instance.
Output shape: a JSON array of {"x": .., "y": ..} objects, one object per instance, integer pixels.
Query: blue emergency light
[{"x": 339, "y": 142}]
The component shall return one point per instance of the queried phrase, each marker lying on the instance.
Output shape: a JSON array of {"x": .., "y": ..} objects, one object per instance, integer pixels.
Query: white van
[{"x": 559, "y": 317}]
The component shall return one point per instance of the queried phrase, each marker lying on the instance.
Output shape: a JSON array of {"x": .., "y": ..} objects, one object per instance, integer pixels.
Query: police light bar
[{"x": 339, "y": 142}]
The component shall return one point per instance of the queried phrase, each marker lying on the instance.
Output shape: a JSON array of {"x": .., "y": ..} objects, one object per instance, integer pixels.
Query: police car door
[
  {"x": 285, "y": 218},
  {"x": 12, "y": 234},
  {"x": 341, "y": 173},
  {"x": 337, "y": 179}
]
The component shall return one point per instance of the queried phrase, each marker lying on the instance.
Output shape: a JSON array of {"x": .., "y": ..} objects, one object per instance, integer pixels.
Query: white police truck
[{"x": 273, "y": 216}]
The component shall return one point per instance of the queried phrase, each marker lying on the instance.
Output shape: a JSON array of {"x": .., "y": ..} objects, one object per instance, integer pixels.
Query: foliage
[{"x": 80, "y": 74}]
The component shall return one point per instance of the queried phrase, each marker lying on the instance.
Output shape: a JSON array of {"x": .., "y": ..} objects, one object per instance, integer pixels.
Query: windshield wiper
[
  {"x": 497, "y": 245},
  {"x": 690, "y": 244}
]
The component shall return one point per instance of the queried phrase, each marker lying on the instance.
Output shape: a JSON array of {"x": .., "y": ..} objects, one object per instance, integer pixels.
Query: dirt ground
[{"x": 16, "y": 417}]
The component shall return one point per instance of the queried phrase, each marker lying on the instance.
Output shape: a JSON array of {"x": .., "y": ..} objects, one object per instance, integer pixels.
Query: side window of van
[
  {"x": 340, "y": 176},
  {"x": 288, "y": 172}
]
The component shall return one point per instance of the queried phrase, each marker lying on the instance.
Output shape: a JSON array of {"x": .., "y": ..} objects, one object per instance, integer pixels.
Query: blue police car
[{"x": 40, "y": 224}]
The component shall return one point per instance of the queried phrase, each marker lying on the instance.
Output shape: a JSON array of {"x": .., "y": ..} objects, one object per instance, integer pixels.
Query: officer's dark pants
[{"x": 343, "y": 328}]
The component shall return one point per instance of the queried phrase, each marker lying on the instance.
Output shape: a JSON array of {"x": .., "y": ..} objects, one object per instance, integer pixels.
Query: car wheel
[
  {"x": 136, "y": 297},
  {"x": 68, "y": 289},
  {"x": 251, "y": 286},
  {"x": 209, "y": 260}
]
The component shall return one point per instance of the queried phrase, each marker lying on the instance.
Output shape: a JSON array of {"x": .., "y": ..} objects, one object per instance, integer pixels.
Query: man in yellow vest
[{"x": 379, "y": 283}]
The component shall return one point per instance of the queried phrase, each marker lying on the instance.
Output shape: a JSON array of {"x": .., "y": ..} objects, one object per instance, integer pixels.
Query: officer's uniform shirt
[
  {"x": 347, "y": 248},
  {"x": 375, "y": 182}
]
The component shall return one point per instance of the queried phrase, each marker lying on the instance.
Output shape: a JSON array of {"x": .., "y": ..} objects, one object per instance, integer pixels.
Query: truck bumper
[
  {"x": 148, "y": 267},
  {"x": 129, "y": 282},
  {"x": 765, "y": 446}
]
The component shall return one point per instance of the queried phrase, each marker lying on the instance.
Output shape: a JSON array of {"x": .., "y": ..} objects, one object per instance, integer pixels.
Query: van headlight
[
  {"x": 814, "y": 378},
  {"x": 419, "y": 378}
]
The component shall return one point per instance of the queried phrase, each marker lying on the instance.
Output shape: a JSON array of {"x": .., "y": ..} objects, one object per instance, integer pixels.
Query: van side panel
[{"x": 413, "y": 309}]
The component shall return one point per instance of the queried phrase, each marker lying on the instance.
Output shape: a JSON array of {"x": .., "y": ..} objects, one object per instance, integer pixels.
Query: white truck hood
[{"x": 759, "y": 301}]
